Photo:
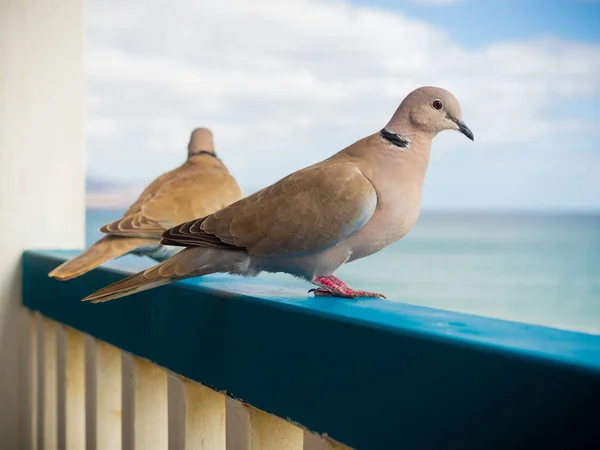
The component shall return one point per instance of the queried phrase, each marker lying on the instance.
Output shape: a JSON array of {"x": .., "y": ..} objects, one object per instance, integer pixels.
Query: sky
[{"x": 285, "y": 84}]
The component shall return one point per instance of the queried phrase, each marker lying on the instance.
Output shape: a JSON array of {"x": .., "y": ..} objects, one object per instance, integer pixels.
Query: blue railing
[{"x": 373, "y": 374}]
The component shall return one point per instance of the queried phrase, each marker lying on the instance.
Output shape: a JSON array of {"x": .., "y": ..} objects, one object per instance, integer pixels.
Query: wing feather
[
  {"x": 190, "y": 191},
  {"x": 304, "y": 212}
]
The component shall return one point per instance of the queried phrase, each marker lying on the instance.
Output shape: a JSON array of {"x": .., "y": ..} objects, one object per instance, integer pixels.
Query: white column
[{"x": 41, "y": 164}]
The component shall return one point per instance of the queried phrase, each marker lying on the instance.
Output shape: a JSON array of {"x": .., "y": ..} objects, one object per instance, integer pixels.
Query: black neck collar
[
  {"x": 204, "y": 152},
  {"x": 394, "y": 139}
]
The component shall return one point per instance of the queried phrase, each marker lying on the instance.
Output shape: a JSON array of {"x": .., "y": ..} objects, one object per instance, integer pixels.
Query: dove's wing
[
  {"x": 305, "y": 212},
  {"x": 189, "y": 191},
  {"x": 150, "y": 192}
]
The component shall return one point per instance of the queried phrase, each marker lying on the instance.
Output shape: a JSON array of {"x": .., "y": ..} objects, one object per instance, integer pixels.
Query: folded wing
[{"x": 305, "y": 212}]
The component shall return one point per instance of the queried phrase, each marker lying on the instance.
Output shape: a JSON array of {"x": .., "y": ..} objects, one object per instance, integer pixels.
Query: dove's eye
[{"x": 437, "y": 104}]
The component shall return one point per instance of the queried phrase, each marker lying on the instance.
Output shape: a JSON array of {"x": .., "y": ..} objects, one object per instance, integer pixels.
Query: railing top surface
[{"x": 320, "y": 361}]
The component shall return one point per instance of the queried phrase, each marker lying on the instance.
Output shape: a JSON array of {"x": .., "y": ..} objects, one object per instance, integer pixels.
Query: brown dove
[
  {"x": 309, "y": 223},
  {"x": 200, "y": 186}
]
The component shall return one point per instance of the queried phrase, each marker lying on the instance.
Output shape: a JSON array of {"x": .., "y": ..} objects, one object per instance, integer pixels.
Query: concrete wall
[{"x": 41, "y": 166}]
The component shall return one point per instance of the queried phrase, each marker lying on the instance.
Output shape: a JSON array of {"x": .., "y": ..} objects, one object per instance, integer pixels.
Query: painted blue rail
[{"x": 373, "y": 374}]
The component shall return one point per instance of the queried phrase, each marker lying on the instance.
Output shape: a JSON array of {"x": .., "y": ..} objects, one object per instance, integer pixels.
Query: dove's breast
[
  {"x": 385, "y": 227},
  {"x": 398, "y": 208}
]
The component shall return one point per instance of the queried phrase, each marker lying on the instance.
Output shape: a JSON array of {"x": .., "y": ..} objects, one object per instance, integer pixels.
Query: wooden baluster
[
  {"x": 150, "y": 407},
  {"x": 127, "y": 399},
  {"x": 108, "y": 397},
  {"x": 33, "y": 369},
  {"x": 204, "y": 417},
  {"x": 237, "y": 424},
  {"x": 315, "y": 442},
  {"x": 75, "y": 390},
  {"x": 50, "y": 381},
  {"x": 176, "y": 412},
  {"x": 267, "y": 432}
]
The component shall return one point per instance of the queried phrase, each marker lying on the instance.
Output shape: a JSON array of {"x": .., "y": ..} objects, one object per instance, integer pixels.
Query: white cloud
[{"x": 284, "y": 84}]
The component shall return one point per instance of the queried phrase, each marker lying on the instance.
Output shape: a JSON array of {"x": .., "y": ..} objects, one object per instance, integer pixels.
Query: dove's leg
[{"x": 334, "y": 287}]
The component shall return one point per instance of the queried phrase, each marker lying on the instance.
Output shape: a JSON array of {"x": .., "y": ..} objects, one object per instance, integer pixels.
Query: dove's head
[
  {"x": 201, "y": 142},
  {"x": 430, "y": 110}
]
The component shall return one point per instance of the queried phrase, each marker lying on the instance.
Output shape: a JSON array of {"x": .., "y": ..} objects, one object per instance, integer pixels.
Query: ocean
[{"x": 535, "y": 268}]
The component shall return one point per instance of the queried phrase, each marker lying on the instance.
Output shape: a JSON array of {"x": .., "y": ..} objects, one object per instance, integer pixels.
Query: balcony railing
[{"x": 225, "y": 363}]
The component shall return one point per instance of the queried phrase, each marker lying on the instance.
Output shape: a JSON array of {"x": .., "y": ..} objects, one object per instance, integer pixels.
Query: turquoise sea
[{"x": 536, "y": 268}]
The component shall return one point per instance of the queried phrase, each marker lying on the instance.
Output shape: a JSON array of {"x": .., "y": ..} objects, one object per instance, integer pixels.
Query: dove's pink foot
[{"x": 334, "y": 287}]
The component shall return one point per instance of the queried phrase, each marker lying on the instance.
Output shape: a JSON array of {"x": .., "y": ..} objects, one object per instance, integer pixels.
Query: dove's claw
[
  {"x": 369, "y": 294},
  {"x": 334, "y": 287},
  {"x": 320, "y": 292}
]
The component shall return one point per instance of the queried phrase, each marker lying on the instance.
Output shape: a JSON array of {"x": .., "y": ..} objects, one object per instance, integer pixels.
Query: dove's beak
[{"x": 463, "y": 128}]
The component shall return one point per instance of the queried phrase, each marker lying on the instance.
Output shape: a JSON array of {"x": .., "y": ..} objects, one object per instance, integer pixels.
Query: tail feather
[
  {"x": 188, "y": 263},
  {"x": 130, "y": 285},
  {"x": 178, "y": 267},
  {"x": 107, "y": 248}
]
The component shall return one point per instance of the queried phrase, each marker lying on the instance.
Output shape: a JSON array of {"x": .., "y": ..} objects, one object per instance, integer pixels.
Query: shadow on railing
[{"x": 170, "y": 368}]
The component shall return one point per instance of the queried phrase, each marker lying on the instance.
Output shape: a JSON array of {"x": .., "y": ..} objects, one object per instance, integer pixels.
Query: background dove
[
  {"x": 349, "y": 206},
  {"x": 200, "y": 186}
]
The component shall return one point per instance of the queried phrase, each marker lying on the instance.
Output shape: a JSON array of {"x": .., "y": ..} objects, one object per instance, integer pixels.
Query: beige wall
[{"x": 41, "y": 162}]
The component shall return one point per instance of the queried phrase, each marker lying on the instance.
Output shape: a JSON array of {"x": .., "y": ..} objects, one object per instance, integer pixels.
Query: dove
[
  {"x": 344, "y": 208},
  {"x": 200, "y": 186}
]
